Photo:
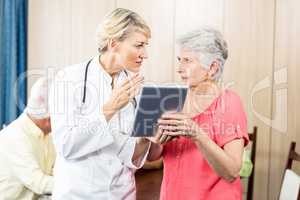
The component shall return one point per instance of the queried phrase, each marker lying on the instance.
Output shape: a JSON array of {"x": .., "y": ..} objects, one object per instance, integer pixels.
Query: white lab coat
[{"x": 94, "y": 158}]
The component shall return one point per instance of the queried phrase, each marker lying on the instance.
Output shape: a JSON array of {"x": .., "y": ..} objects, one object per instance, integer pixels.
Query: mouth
[
  {"x": 184, "y": 78},
  {"x": 139, "y": 62}
]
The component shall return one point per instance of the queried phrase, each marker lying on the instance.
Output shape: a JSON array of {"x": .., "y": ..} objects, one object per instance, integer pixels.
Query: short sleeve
[{"x": 230, "y": 121}]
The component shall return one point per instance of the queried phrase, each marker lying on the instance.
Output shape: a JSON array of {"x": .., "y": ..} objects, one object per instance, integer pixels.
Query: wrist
[
  {"x": 142, "y": 140},
  {"x": 200, "y": 137},
  {"x": 108, "y": 111}
]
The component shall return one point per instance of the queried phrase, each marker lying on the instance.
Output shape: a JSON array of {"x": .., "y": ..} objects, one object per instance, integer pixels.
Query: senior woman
[
  {"x": 205, "y": 159},
  {"x": 92, "y": 107}
]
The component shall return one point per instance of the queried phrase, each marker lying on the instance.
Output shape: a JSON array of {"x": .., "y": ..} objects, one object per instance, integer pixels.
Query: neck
[
  {"x": 38, "y": 123},
  {"x": 207, "y": 88},
  {"x": 108, "y": 62}
]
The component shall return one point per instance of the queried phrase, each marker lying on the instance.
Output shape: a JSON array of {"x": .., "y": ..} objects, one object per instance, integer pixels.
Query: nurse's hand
[
  {"x": 158, "y": 141},
  {"x": 156, "y": 147},
  {"x": 121, "y": 95},
  {"x": 159, "y": 137}
]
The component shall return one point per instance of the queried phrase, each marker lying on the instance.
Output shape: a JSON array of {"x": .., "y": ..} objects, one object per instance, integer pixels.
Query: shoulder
[
  {"x": 230, "y": 100},
  {"x": 67, "y": 78},
  {"x": 13, "y": 130},
  {"x": 229, "y": 103},
  {"x": 13, "y": 136},
  {"x": 71, "y": 73},
  {"x": 231, "y": 96}
]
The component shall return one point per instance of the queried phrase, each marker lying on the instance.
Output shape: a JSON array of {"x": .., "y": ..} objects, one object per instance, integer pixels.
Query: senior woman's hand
[{"x": 179, "y": 124}]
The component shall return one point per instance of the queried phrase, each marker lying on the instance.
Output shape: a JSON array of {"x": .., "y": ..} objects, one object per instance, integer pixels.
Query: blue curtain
[{"x": 13, "y": 58}]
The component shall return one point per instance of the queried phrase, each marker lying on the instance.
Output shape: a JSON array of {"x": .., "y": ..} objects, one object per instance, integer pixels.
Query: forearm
[
  {"x": 224, "y": 165},
  {"x": 75, "y": 140},
  {"x": 108, "y": 111},
  {"x": 43, "y": 185},
  {"x": 155, "y": 152},
  {"x": 27, "y": 171},
  {"x": 141, "y": 147}
]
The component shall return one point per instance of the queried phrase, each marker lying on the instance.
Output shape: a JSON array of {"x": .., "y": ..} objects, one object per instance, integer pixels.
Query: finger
[
  {"x": 137, "y": 91},
  {"x": 169, "y": 138},
  {"x": 157, "y": 136},
  {"x": 128, "y": 83},
  {"x": 124, "y": 96},
  {"x": 176, "y": 128},
  {"x": 135, "y": 80},
  {"x": 128, "y": 86},
  {"x": 176, "y": 133},
  {"x": 172, "y": 133},
  {"x": 177, "y": 116},
  {"x": 133, "y": 91},
  {"x": 163, "y": 138},
  {"x": 170, "y": 112},
  {"x": 129, "y": 79},
  {"x": 170, "y": 122},
  {"x": 129, "y": 94},
  {"x": 159, "y": 133},
  {"x": 169, "y": 128}
]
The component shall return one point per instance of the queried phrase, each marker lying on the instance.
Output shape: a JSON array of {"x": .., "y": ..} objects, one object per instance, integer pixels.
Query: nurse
[{"x": 92, "y": 108}]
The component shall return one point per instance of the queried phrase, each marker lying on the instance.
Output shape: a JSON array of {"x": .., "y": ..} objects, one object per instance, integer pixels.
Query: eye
[
  {"x": 139, "y": 45},
  {"x": 186, "y": 60}
]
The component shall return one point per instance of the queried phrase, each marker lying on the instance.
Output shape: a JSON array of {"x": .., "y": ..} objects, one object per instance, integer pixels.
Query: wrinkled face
[
  {"x": 191, "y": 71},
  {"x": 132, "y": 51}
]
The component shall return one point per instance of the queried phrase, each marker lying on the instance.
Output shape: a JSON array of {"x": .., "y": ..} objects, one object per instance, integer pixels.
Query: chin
[
  {"x": 187, "y": 82},
  {"x": 134, "y": 69}
]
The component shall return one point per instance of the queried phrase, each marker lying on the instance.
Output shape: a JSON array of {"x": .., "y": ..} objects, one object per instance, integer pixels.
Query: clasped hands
[{"x": 173, "y": 125}]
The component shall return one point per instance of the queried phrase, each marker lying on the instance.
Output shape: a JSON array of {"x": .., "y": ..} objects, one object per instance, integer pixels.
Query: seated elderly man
[{"x": 26, "y": 151}]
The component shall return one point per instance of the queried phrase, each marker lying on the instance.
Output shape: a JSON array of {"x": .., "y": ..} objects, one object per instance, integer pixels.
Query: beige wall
[
  {"x": 286, "y": 57},
  {"x": 262, "y": 38}
]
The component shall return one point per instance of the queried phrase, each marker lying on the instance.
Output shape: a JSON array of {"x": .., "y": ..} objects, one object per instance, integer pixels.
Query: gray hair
[{"x": 209, "y": 44}]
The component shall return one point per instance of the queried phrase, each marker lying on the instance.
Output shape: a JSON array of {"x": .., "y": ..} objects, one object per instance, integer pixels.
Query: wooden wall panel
[
  {"x": 248, "y": 28},
  {"x": 160, "y": 17},
  {"x": 49, "y": 36},
  {"x": 85, "y": 18},
  {"x": 286, "y": 91}
]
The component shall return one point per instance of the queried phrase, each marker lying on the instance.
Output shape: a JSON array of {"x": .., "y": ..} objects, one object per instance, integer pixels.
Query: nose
[
  {"x": 144, "y": 54},
  {"x": 180, "y": 68}
]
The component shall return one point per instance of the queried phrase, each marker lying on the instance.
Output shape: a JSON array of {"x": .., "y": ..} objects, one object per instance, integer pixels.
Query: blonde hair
[{"x": 118, "y": 25}]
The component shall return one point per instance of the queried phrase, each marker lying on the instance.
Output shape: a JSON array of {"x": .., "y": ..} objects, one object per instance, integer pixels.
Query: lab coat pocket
[
  {"x": 72, "y": 177},
  {"x": 84, "y": 173},
  {"x": 102, "y": 171}
]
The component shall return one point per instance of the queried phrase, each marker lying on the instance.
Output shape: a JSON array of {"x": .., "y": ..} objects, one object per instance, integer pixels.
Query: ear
[
  {"x": 214, "y": 68},
  {"x": 112, "y": 44}
]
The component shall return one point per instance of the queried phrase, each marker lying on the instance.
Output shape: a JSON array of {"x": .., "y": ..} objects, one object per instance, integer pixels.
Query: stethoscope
[{"x": 133, "y": 100}]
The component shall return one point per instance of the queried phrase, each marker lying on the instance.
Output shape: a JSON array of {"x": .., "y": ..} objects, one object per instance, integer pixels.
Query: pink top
[{"x": 187, "y": 174}]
